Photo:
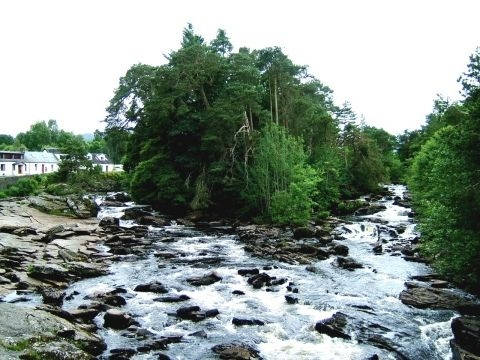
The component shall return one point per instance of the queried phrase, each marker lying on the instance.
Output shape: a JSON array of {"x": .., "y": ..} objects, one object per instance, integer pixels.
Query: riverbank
[{"x": 142, "y": 285}]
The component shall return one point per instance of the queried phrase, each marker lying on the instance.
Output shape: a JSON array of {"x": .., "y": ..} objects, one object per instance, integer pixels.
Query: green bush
[{"x": 24, "y": 187}]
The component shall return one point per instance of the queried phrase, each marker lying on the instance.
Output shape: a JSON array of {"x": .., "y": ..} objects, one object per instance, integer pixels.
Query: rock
[
  {"x": 52, "y": 296},
  {"x": 242, "y": 322},
  {"x": 172, "y": 299},
  {"x": 333, "y": 326},
  {"x": 378, "y": 248},
  {"x": 109, "y": 221},
  {"x": 48, "y": 272},
  {"x": 199, "y": 334},
  {"x": 83, "y": 270},
  {"x": 348, "y": 263},
  {"x": 82, "y": 207},
  {"x": 204, "y": 280},
  {"x": 154, "y": 287},
  {"x": 45, "y": 333},
  {"x": 236, "y": 351},
  {"x": 152, "y": 220},
  {"x": 369, "y": 210},
  {"x": 187, "y": 311},
  {"x": 116, "y": 319},
  {"x": 120, "y": 196},
  {"x": 259, "y": 280},
  {"x": 85, "y": 315},
  {"x": 304, "y": 232},
  {"x": 290, "y": 299},
  {"x": 50, "y": 234},
  {"x": 466, "y": 332},
  {"x": 339, "y": 249},
  {"x": 134, "y": 212},
  {"x": 312, "y": 269},
  {"x": 112, "y": 203},
  {"x": 426, "y": 297},
  {"x": 121, "y": 354},
  {"x": 238, "y": 292},
  {"x": 245, "y": 272}
]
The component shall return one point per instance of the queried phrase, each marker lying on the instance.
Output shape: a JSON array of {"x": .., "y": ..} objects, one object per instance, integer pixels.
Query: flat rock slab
[
  {"x": 425, "y": 297},
  {"x": 39, "y": 329}
]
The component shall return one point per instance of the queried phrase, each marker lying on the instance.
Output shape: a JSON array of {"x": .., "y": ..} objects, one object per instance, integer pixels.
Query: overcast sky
[{"x": 62, "y": 59}]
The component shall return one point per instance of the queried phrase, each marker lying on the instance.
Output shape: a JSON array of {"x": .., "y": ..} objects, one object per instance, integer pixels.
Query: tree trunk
[
  {"x": 271, "y": 102},
  {"x": 276, "y": 101},
  {"x": 251, "y": 118},
  {"x": 204, "y": 97}
]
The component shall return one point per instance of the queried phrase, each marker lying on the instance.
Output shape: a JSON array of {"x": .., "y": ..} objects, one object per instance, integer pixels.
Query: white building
[
  {"x": 40, "y": 162},
  {"x": 19, "y": 163},
  {"x": 12, "y": 163}
]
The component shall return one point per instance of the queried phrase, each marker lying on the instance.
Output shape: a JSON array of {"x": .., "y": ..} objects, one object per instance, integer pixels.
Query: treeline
[
  {"x": 444, "y": 178},
  {"x": 245, "y": 133},
  {"x": 46, "y": 134}
]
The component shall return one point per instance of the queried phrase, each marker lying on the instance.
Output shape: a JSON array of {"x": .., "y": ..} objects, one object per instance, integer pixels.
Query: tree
[{"x": 6, "y": 139}]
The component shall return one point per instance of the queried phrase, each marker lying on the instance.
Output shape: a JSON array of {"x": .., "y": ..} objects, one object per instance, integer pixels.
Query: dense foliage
[
  {"x": 245, "y": 133},
  {"x": 444, "y": 158}
]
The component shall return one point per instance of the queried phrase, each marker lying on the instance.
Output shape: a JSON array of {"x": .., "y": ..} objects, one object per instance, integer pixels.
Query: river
[{"x": 368, "y": 296}]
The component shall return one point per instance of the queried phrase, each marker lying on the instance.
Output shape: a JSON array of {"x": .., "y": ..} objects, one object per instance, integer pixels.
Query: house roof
[
  {"x": 100, "y": 158},
  {"x": 40, "y": 157}
]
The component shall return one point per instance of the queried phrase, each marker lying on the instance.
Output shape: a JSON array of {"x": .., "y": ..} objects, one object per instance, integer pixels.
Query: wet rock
[
  {"x": 112, "y": 203},
  {"x": 83, "y": 270},
  {"x": 199, "y": 334},
  {"x": 290, "y": 299},
  {"x": 304, "y": 232},
  {"x": 121, "y": 354},
  {"x": 378, "y": 248},
  {"x": 348, "y": 263},
  {"x": 73, "y": 205},
  {"x": 120, "y": 196},
  {"x": 52, "y": 296},
  {"x": 312, "y": 269},
  {"x": 135, "y": 212},
  {"x": 109, "y": 221},
  {"x": 85, "y": 315},
  {"x": 194, "y": 313},
  {"x": 259, "y": 280},
  {"x": 116, "y": 319},
  {"x": 246, "y": 272},
  {"x": 236, "y": 351},
  {"x": 172, "y": 299},
  {"x": 339, "y": 249},
  {"x": 466, "y": 332},
  {"x": 242, "y": 322},
  {"x": 152, "y": 220},
  {"x": 204, "y": 280},
  {"x": 426, "y": 297},
  {"x": 370, "y": 210},
  {"x": 155, "y": 287},
  {"x": 334, "y": 326},
  {"x": 238, "y": 292}
]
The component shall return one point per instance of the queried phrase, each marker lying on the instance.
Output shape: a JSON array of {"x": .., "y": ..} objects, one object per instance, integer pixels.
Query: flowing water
[{"x": 368, "y": 296}]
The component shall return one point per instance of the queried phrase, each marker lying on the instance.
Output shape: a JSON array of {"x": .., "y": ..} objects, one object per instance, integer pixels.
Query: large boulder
[
  {"x": 207, "y": 279},
  {"x": 117, "y": 319},
  {"x": 154, "y": 287},
  {"x": 236, "y": 351},
  {"x": 348, "y": 263},
  {"x": 135, "y": 212},
  {"x": 425, "y": 297},
  {"x": 72, "y": 205},
  {"x": 304, "y": 232},
  {"x": 370, "y": 210},
  {"x": 41, "y": 335},
  {"x": 334, "y": 326},
  {"x": 466, "y": 331}
]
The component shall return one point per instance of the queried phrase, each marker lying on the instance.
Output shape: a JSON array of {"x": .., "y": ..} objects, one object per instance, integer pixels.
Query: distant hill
[{"x": 88, "y": 137}]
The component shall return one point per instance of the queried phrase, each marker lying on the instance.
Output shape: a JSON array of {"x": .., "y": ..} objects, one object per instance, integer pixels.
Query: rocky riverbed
[{"x": 132, "y": 284}]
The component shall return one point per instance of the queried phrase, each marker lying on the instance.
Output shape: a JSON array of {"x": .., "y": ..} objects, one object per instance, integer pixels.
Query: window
[
  {"x": 51, "y": 167},
  {"x": 13, "y": 167},
  {"x": 2, "y": 167},
  {"x": 36, "y": 167}
]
